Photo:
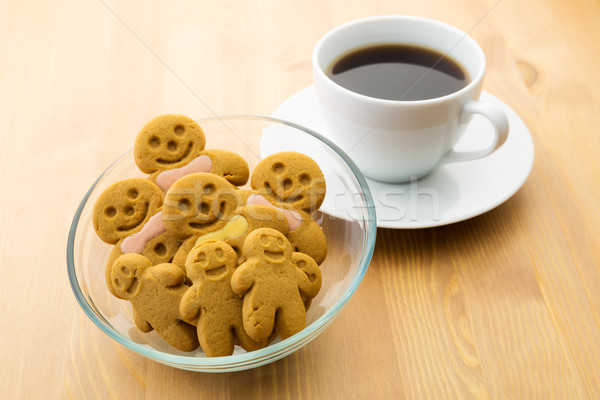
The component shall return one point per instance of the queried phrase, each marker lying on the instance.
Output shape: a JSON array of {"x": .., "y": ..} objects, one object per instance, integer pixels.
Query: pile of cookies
[{"x": 203, "y": 261}]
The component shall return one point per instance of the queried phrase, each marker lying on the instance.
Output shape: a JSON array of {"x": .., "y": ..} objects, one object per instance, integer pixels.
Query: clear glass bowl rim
[{"x": 257, "y": 357}]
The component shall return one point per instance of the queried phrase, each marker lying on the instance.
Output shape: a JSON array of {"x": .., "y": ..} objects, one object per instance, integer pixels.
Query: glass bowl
[{"x": 347, "y": 217}]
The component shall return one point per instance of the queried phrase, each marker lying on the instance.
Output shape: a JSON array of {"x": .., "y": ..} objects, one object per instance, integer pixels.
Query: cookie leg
[
  {"x": 180, "y": 335},
  {"x": 246, "y": 342},
  {"x": 216, "y": 338},
  {"x": 290, "y": 319},
  {"x": 258, "y": 320}
]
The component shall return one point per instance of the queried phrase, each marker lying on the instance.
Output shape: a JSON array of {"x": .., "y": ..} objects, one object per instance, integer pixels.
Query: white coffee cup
[{"x": 396, "y": 140}]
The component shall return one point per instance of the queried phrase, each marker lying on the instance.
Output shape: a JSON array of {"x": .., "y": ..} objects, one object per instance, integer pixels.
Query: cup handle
[{"x": 499, "y": 122}]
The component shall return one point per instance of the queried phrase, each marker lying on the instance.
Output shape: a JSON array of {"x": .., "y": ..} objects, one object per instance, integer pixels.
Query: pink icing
[
  {"x": 294, "y": 219},
  {"x": 166, "y": 178},
  {"x": 137, "y": 242}
]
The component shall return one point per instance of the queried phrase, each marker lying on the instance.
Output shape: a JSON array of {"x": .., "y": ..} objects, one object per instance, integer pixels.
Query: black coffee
[{"x": 398, "y": 72}]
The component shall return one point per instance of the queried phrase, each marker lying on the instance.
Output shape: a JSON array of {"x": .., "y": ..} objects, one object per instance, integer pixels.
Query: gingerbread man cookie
[
  {"x": 273, "y": 288},
  {"x": 197, "y": 204},
  {"x": 294, "y": 182},
  {"x": 171, "y": 146},
  {"x": 168, "y": 141},
  {"x": 155, "y": 293},
  {"x": 124, "y": 208},
  {"x": 211, "y": 304}
]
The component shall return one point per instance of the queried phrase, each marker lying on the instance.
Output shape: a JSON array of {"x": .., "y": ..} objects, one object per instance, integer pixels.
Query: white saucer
[{"x": 452, "y": 193}]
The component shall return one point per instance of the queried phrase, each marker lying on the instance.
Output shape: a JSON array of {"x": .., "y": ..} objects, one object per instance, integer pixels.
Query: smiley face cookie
[
  {"x": 290, "y": 179},
  {"x": 273, "y": 288},
  {"x": 168, "y": 141},
  {"x": 155, "y": 293},
  {"x": 294, "y": 182},
  {"x": 197, "y": 204},
  {"x": 171, "y": 146},
  {"x": 124, "y": 208},
  {"x": 211, "y": 304}
]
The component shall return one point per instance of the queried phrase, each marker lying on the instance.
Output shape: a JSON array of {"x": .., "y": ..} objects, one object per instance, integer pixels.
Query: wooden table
[{"x": 502, "y": 306}]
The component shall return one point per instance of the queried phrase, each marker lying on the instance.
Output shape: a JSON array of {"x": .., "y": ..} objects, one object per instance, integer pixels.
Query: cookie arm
[
  {"x": 242, "y": 278},
  {"x": 229, "y": 165},
  {"x": 190, "y": 305},
  {"x": 168, "y": 274},
  {"x": 304, "y": 284},
  {"x": 310, "y": 239},
  {"x": 311, "y": 270}
]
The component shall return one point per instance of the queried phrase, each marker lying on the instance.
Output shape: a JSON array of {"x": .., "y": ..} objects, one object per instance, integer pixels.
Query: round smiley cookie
[
  {"x": 290, "y": 179},
  {"x": 172, "y": 146},
  {"x": 168, "y": 141},
  {"x": 125, "y": 207},
  {"x": 294, "y": 182},
  {"x": 198, "y": 204}
]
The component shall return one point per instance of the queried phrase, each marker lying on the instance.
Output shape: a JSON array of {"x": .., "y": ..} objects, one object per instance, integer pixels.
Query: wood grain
[{"x": 503, "y": 306}]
